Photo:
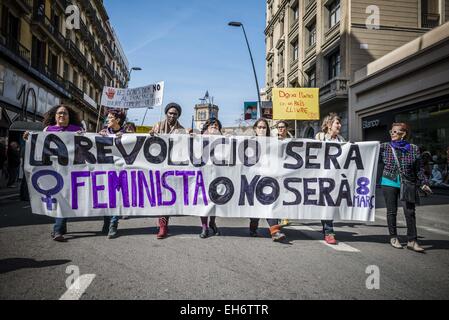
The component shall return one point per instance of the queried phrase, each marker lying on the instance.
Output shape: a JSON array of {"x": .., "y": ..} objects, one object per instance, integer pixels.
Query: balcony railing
[
  {"x": 50, "y": 74},
  {"x": 25, "y": 5},
  {"x": 108, "y": 70},
  {"x": 63, "y": 4},
  {"x": 334, "y": 88},
  {"x": 18, "y": 49},
  {"x": 85, "y": 34},
  {"x": 75, "y": 91},
  {"x": 98, "y": 53},
  {"x": 42, "y": 20},
  {"x": 430, "y": 20},
  {"x": 98, "y": 80},
  {"x": 76, "y": 54}
]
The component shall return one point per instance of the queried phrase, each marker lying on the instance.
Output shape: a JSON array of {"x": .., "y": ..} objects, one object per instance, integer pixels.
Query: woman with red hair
[{"x": 402, "y": 169}]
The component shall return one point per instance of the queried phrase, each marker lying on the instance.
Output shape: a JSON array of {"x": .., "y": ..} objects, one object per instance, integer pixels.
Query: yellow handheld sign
[{"x": 296, "y": 104}]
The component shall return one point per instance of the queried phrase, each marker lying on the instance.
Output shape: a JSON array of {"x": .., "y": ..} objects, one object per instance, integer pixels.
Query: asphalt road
[{"x": 231, "y": 266}]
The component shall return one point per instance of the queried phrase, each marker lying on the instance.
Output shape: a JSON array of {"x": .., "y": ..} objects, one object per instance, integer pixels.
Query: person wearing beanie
[{"x": 170, "y": 125}]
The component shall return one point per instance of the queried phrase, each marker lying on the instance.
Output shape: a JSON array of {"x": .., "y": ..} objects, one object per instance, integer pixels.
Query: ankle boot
[
  {"x": 413, "y": 245},
  {"x": 163, "y": 228},
  {"x": 253, "y": 225}
]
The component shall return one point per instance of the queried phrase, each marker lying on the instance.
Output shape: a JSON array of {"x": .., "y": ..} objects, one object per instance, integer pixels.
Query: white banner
[
  {"x": 143, "y": 97},
  {"x": 72, "y": 175}
]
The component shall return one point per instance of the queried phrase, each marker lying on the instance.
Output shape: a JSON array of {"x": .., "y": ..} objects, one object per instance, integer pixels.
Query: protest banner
[
  {"x": 143, "y": 97},
  {"x": 296, "y": 104},
  {"x": 71, "y": 175}
]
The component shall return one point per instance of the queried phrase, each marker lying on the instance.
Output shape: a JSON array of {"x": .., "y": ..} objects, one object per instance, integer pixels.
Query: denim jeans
[
  {"x": 108, "y": 220},
  {"x": 328, "y": 227},
  {"x": 60, "y": 226}
]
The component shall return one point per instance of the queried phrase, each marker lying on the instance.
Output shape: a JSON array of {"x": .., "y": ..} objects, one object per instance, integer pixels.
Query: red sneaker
[{"x": 330, "y": 239}]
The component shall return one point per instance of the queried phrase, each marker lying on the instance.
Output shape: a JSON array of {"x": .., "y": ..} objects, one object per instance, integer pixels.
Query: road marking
[
  {"x": 430, "y": 229},
  {"x": 439, "y": 231},
  {"x": 317, "y": 235},
  {"x": 10, "y": 196},
  {"x": 78, "y": 287}
]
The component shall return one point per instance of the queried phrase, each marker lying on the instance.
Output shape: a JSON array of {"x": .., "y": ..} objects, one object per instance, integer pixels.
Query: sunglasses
[{"x": 396, "y": 132}]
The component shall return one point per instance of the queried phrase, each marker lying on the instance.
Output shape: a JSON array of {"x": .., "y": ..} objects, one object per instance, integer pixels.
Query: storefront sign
[
  {"x": 25, "y": 94},
  {"x": 370, "y": 124}
]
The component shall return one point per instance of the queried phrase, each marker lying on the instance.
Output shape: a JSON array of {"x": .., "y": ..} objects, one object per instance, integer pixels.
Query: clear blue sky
[{"x": 189, "y": 45}]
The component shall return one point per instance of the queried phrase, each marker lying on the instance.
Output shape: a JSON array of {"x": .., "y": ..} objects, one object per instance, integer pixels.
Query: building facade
[
  {"x": 411, "y": 85},
  {"x": 49, "y": 56},
  {"x": 204, "y": 112},
  {"x": 322, "y": 43}
]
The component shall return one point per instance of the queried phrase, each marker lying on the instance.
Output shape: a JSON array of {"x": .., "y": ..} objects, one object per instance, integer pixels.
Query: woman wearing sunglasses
[
  {"x": 262, "y": 129},
  {"x": 402, "y": 166}
]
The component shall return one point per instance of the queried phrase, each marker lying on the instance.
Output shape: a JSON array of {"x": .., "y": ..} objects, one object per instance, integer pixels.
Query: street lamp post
[
  {"x": 239, "y": 24},
  {"x": 129, "y": 75}
]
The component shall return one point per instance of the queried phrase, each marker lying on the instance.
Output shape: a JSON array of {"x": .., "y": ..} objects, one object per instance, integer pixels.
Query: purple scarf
[
  {"x": 401, "y": 145},
  {"x": 69, "y": 128}
]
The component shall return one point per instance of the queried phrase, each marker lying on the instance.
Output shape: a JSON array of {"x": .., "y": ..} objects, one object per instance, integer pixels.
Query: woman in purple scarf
[
  {"x": 60, "y": 118},
  {"x": 401, "y": 159}
]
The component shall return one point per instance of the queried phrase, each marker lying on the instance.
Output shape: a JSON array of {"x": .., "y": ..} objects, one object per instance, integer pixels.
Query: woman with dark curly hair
[
  {"x": 60, "y": 118},
  {"x": 63, "y": 118}
]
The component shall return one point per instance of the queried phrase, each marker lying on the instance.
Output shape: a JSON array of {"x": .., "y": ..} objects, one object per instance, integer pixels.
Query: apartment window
[
  {"x": 430, "y": 13},
  {"x": 52, "y": 63},
  {"x": 281, "y": 61},
  {"x": 55, "y": 20},
  {"x": 311, "y": 34},
  {"x": 75, "y": 78},
  {"x": 270, "y": 71},
  {"x": 84, "y": 86},
  {"x": 282, "y": 27},
  {"x": 295, "y": 84},
  {"x": 295, "y": 49},
  {"x": 334, "y": 13},
  {"x": 295, "y": 12},
  {"x": 38, "y": 54},
  {"x": 333, "y": 61},
  {"x": 65, "y": 74},
  {"x": 311, "y": 78}
]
